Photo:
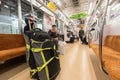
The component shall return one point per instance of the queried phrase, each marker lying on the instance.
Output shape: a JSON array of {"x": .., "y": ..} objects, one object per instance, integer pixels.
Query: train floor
[{"x": 78, "y": 62}]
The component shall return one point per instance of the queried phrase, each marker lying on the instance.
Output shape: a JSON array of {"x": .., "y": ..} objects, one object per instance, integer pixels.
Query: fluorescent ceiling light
[
  {"x": 0, "y": 2},
  {"x": 88, "y": 18},
  {"x": 116, "y": 6},
  {"x": 58, "y": 3},
  {"x": 38, "y": 5},
  {"x": 98, "y": 11},
  {"x": 6, "y": 6},
  {"x": 35, "y": 3},
  {"x": 46, "y": 10},
  {"x": 90, "y": 7}
]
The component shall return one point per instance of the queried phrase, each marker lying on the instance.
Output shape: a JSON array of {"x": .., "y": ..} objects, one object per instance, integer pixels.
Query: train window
[
  {"x": 26, "y": 9},
  {"x": 9, "y": 17},
  {"x": 39, "y": 15}
]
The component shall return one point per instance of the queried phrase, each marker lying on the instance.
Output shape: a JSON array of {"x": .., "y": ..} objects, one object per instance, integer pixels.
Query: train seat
[
  {"x": 111, "y": 55},
  {"x": 11, "y": 46}
]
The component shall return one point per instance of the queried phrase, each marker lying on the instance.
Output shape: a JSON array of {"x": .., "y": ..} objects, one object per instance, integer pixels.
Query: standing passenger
[
  {"x": 84, "y": 40},
  {"x": 81, "y": 34}
]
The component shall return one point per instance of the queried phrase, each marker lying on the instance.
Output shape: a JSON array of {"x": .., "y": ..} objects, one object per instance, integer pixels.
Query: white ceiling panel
[{"x": 69, "y": 9}]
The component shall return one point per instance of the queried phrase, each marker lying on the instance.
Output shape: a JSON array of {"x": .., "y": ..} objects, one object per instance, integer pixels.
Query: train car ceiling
[{"x": 70, "y": 7}]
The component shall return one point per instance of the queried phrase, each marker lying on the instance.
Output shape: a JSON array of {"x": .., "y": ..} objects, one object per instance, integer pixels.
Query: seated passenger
[
  {"x": 54, "y": 34},
  {"x": 71, "y": 37}
]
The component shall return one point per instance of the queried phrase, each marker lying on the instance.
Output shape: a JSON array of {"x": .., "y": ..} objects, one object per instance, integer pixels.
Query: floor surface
[{"x": 76, "y": 64}]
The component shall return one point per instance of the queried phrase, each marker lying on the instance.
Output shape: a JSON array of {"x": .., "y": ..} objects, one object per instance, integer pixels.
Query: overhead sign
[
  {"x": 59, "y": 14},
  {"x": 78, "y": 16},
  {"x": 51, "y": 6}
]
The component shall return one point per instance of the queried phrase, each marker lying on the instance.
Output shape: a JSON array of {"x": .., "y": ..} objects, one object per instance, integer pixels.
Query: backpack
[{"x": 41, "y": 55}]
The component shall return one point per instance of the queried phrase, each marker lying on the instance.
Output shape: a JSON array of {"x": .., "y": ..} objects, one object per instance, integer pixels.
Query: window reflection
[
  {"x": 26, "y": 9},
  {"x": 9, "y": 17}
]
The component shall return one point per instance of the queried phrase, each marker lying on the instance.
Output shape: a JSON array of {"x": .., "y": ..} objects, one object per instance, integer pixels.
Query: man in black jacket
[{"x": 81, "y": 34}]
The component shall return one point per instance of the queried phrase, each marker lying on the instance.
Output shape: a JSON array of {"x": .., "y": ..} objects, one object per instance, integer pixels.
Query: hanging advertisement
[
  {"x": 59, "y": 14},
  {"x": 48, "y": 22},
  {"x": 60, "y": 26},
  {"x": 51, "y": 6}
]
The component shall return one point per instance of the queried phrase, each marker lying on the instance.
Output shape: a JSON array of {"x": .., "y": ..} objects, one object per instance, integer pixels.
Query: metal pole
[
  {"x": 101, "y": 37},
  {"x": 32, "y": 9},
  {"x": 20, "y": 16}
]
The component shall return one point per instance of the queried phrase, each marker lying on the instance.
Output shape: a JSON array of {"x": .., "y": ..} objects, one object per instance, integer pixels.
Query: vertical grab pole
[
  {"x": 20, "y": 16},
  {"x": 101, "y": 38},
  {"x": 32, "y": 11},
  {"x": 89, "y": 40}
]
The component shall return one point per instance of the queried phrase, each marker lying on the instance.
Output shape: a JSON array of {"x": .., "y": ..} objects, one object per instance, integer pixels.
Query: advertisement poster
[{"x": 48, "y": 22}]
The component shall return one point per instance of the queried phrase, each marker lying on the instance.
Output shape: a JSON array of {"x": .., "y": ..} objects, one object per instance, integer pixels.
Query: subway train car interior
[{"x": 59, "y": 39}]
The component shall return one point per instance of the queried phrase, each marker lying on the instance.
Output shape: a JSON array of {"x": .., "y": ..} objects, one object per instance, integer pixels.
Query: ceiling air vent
[{"x": 75, "y": 3}]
